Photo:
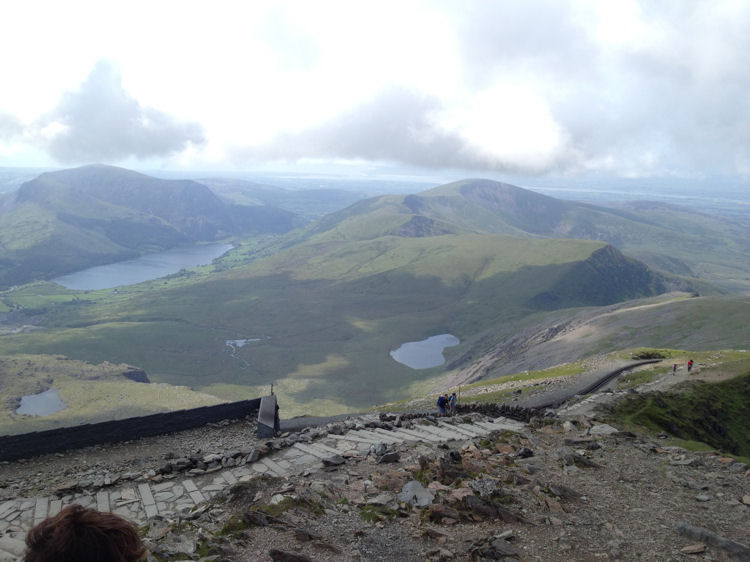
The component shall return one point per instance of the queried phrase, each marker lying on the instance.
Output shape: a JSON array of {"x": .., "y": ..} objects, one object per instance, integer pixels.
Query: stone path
[{"x": 179, "y": 495}]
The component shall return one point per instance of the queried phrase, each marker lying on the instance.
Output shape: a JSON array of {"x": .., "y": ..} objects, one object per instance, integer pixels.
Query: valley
[{"x": 523, "y": 280}]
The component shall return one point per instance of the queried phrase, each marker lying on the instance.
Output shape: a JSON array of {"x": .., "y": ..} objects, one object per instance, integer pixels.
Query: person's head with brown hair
[{"x": 78, "y": 534}]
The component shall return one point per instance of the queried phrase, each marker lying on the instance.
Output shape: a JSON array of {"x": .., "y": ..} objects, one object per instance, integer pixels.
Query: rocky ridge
[{"x": 470, "y": 487}]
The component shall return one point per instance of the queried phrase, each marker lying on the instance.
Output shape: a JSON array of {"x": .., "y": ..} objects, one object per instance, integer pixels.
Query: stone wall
[{"x": 26, "y": 445}]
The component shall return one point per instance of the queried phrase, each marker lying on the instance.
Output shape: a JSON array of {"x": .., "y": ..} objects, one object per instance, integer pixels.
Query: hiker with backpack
[{"x": 442, "y": 402}]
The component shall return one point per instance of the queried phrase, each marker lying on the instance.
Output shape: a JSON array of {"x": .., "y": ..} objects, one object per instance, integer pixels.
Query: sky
[{"x": 625, "y": 89}]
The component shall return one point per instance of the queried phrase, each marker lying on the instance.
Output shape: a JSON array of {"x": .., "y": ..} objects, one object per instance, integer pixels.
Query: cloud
[
  {"x": 630, "y": 88},
  {"x": 10, "y": 126},
  {"x": 101, "y": 122},
  {"x": 633, "y": 88},
  {"x": 404, "y": 126},
  {"x": 394, "y": 125}
]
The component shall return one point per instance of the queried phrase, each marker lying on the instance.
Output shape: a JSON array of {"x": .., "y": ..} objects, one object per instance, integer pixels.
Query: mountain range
[
  {"x": 68, "y": 220},
  {"x": 319, "y": 307}
]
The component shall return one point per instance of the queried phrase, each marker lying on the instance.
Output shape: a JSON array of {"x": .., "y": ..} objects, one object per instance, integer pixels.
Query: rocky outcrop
[{"x": 135, "y": 374}]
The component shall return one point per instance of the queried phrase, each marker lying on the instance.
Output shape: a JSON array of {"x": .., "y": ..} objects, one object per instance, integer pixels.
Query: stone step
[
  {"x": 55, "y": 506},
  {"x": 422, "y": 435},
  {"x": 440, "y": 433},
  {"x": 193, "y": 491},
  {"x": 451, "y": 431},
  {"x": 41, "y": 510},
  {"x": 102, "y": 501},
  {"x": 314, "y": 451},
  {"x": 507, "y": 423},
  {"x": 492, "y": 426},
  {"x": 405, "y": 436},
  {"x": 147, "y": 498},
  {"x": 378, "y": 437},
  {"x": 230, "y": 478},
  {"x": 325, "y": 448},
  {"x": 11, "y": 548},
  {"x": 273, "y": 467},
  {"x": 6, "y": 508},
  {"x": 354, "y": 438},
  {"x": 476, "y": 430},
  {"x": 364, "y": 437},
  {"x": 389, "y": 434},
  {"x": 457, "y": 429}
]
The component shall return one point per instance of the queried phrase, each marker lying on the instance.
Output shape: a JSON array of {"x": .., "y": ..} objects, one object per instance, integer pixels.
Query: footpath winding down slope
[{"x": 583, "y": 385}]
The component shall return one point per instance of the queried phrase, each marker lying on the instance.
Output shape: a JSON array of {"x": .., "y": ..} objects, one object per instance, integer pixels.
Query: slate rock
[
  {"x": 382, "y": 499},
  {"x": 390, "y": 479},
  {"x": 602, "y": 429},
  {"x": 334, "y": 460},
  {"x": 439, "y": 511},
  {"x": 416, "y": 495},
  {"x": 524, "y": 453},
  {"x": 484, "y": 486},
  {"x": 389, "y": 457},
  {"x": 493, "y": 549},
  {"x": 284, "y": 556},
  {"x": 379, "y": 450}
]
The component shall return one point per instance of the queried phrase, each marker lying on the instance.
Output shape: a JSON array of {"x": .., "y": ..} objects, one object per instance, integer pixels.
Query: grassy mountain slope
[
  {"x": 71, "y": 219},
  {"x": 667, "y": 238},
  {"x": 321, "y": 309},
  {"x": 712, "y": 413},
  {"x": 322, "y": 316},
  {"x": 671, "y": 320}
]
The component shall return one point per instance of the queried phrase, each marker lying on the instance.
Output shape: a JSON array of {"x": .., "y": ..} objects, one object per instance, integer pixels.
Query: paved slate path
[
  {"x": 583, "y": 385},
  {"x": 140, "y": 501}
]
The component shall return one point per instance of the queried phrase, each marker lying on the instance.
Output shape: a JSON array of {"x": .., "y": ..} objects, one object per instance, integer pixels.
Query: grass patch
[
  {"x": 91, "y": 392},
  {"x": 374, "y": 513},
  {"x": 711, "y": 413},
  {"x": 637, "y": 378},
  {"x": 566, "y": 370},
  {"x": 306, "y": 504}
]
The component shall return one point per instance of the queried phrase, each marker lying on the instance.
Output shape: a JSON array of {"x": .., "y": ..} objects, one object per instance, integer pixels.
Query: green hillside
[
  {"x": 91, "y": 393},
  {"x": 323, "y": 316},
  {"x": 317, "y": 310},
  {"x": 669, "y": 239},
  {"x": 68, "y": 220}
]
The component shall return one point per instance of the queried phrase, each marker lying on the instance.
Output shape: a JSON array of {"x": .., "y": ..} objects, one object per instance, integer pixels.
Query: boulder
[
  {"x": 602, "y": 429},
  {"x": 416, "y": 495}
]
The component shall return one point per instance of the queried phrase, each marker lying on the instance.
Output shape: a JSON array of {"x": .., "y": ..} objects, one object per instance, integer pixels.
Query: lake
[
  {"x": 42, "y": 404},
  {"x": 145, "y": 268},
  {"x": 424, "y": 354}
]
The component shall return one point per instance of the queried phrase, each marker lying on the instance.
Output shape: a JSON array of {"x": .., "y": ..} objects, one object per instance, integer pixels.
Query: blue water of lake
[
  {"x": 42, "y": 404},
  {"x": 426, "y": 353},
  {"x": 145, "y": 268}
]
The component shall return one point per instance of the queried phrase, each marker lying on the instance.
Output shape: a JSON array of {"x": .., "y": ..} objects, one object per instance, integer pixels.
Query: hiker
[
  {"x": 690, "y": 365},
  {"x": 674, "y": 369},
  {"x": 80, "y": 534},
  {"x": 452, "y": 403},
  {"x": 442, "y": 402}
]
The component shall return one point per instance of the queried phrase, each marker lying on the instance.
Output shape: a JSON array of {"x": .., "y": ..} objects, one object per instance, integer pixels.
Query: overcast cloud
[
  {"x": 10, "y": 126},
  {"x": 101, "y": 122},
  {"x": 626, "y": 88}
]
